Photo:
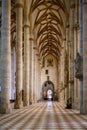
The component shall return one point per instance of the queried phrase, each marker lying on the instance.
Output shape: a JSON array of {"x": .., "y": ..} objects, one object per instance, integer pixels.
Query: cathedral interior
[{"x": 43, "y": 62}]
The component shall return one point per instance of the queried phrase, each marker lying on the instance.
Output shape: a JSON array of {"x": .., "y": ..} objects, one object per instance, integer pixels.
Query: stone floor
[{"x": 44, "y": 116}]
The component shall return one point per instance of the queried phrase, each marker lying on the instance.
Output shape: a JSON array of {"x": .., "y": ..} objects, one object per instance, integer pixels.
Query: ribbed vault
[{"x": 48, "y": 24}]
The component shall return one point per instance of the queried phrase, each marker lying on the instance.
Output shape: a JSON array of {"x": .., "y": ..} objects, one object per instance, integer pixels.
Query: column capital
[
  {"x": 26, "y": 12},
  {"x": 31, "y": 39},
  {"x": 26, "y": 26},
  {"x": 19, "y": 4},
  {"x": 34, "y": 48}
]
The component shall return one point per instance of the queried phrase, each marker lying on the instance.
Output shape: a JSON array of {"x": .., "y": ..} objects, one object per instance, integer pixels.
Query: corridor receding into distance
[{"x": 43, "y": 64}]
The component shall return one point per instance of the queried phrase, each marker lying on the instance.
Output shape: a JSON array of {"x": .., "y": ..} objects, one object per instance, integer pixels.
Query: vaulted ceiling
[{"x": 48, "y": 19}]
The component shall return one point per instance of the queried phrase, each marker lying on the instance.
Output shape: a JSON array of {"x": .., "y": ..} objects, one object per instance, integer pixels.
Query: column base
[
  {"x": 31, "y": 102},
  {"x": 25, "y": 104},
  {"x": 17, "y": 105},
  {"x": 6, "y": 110}
]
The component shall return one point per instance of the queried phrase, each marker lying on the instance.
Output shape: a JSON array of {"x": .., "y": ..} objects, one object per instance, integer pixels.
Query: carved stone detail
[{"x": 78, "y": 67}]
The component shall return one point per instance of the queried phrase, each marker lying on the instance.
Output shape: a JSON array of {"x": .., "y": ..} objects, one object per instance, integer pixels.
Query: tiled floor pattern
[{"x": 44, "y": 116}]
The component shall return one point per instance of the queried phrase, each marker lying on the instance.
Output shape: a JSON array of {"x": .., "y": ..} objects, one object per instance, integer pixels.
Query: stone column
[
  {"x": 36, "y": 75},
  {"x": 30, "y": 68},
  {"x": 63, "y": 72},
  {"x": 13, "y": 68},
  {"x": 39, "y": 80},
  {"x": 76, "y": 49},
  {"x": 76, "y": 81},
  {"x": 72, "y": 54},
  {"x": 32, "y": 71},
  {"x": 66, "y": 65},
  {"x": 26, "y": 56},
  {"x": 34, "y": 78},
  {"x": 67, "y": 39},
  {"x": 5, "y": 58},
  {"x": 19, "y": 45},
  {"x": 0, "y": 68},
  {"x": 61, "y": 75},
  {"x": 83, "y": 52}
]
